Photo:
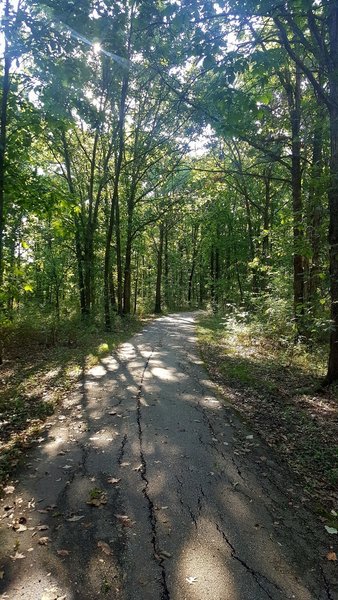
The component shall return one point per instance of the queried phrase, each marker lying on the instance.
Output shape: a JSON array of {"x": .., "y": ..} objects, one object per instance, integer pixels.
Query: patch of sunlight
[
  {"x": 102, "y": 439},
  {"x": 204, "y": 568},
  {"x": 36, "y": 579},
  {"x": 73, "y": 371},
  {"x": 91, "y": 360},
  {"x": 127, "y": 351},
  {"x": 110, "y": 363},
  {"x": 211, "y": 403},
  {"x": 97, "y": 371},
  {"x": 51, "y": 374},
  {"x": 164, "y": 374}
]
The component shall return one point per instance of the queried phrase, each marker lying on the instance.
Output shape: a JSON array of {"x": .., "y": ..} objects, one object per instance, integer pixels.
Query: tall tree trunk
[
  {"x": 297, "y": 205},
  {"x": 3, "y": 128},
  {"x": 127, "y": 265},
  {"x": 332, "y": 373},
  {"x": 266, "y": 229},
  {"x": 119, "y": 258},
  {"x": 315, "y": 210},
  {"x": 195, "y": 230},
  {"x": 158, "y": 297},
  {"x": 167, "y": 297},
  {"x": 136, "y": 287},
  {"x": 114, "y": 217}
]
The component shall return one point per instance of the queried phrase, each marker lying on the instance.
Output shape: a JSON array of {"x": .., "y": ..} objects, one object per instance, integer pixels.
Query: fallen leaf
[
  {"x": 191, "y": 580},
  {"x": 75, "y": 518},
  {"x": 331, "y": 555},
  {"x": 43, "y": 527},
  {"x": 165, "y": 554},
  {"x": 17, "y": 556},
  {"x": 104, "y": 547},
  {"x": 114, "y": 480},
  {"x": 125, "y": 520},
  {"x": 43, "y": 541},
  {"x": 62, "y": 552},
  {"x": 125, "y": 464},
  {"x": 331, "y": 530},
  {"x": 18, "y": 527},
  {"x": 67, "y": 467}
]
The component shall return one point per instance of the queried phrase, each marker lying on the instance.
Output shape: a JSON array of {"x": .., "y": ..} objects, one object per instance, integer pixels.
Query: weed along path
[{"x": 145, "y": 486}]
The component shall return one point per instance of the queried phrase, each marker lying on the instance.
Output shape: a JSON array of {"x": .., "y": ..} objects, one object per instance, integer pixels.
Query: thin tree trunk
[
  {"x": 127, "y": 266},
  {"x": 297, "y": 205},
  {"x": 3, "y": 128},
  {"x": 158, "y": 297},
  {"x": 315, "y": 210},
  {"x": 136, "y": 287},
  {"x": 332, "y": 373}
]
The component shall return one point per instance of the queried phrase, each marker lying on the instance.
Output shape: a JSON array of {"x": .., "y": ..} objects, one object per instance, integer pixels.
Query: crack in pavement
[
  {"x": 250, "y": 570},
  {"x": 327, "y": 585},
  {"x": 122, "y": 449},
  {"x": 143, "y": 472},
  {"x": 184, "y": 504}
]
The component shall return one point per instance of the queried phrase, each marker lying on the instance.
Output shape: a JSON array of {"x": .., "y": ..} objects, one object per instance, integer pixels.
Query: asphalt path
[{"x": 146, "y": 486}]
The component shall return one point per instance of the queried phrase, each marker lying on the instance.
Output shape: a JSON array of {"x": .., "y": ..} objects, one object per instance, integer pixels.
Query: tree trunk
[
  {"x": 114, "y": 218},
  {"x": 297, "y": 205},
  {"x": 3, "y": 129},
  {"x": 136, "y": 288},
  {"x": 315, "y": 211},
  {"x": 332, "y": 373},
  {"x": 158, "y": 298},
  {"x": 127, "y": 267}
]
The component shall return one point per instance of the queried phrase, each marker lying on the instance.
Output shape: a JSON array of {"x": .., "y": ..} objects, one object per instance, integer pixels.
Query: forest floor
[
  {"x": 276, "y": 388},
  {"x": 38, "y": 373}
]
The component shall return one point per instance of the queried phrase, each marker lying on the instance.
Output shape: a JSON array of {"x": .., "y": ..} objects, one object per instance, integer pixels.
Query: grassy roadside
[
  {"x": 275, "y": 387},
  {"x": 35, "y": 378}
]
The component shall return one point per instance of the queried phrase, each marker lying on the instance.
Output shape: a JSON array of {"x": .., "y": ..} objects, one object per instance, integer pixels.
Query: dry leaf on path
[
  {"x": 125, "y": 520},
  {"x": 63, "y": 552},
  {"x": 43, "y": 527},
  {"x": 114, "y": 480},
  {"x": 75, "y": 518},
  {"x": 191, "y": 580},
  {"x": 104, "y": 547},
  {"x": 17, "y": 556},
  {"x": 331, "y": 555},
  {"x": 43, "y": 541}
]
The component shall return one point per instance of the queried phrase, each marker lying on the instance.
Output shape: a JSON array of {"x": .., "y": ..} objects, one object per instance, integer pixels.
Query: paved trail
[{"x": 206, "y": 513}]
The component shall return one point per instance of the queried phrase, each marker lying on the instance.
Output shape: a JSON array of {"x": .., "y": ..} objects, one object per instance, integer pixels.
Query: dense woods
[{"x": 162, "y": 155}]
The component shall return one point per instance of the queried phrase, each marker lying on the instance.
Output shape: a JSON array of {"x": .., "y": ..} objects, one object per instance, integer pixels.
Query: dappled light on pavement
[{"x": 148, "y": 488}]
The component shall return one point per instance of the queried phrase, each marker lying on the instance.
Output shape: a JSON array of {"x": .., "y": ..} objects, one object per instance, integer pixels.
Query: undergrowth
[
  {"x": 40, "y": 366},
  {"x": 279, "y": 383}
]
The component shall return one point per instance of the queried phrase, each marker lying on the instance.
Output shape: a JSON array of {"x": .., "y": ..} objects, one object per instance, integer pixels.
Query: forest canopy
[{"x": 170, "y": 154}]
